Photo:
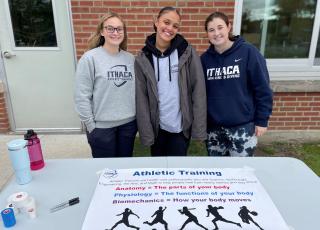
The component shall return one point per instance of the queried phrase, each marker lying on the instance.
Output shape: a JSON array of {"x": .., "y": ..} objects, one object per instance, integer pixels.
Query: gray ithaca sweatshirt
[{"x": 105, "y": 89}]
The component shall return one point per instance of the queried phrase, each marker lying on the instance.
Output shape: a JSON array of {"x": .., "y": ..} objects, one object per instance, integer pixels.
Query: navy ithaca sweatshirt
[{"x": 237, "y": 83}]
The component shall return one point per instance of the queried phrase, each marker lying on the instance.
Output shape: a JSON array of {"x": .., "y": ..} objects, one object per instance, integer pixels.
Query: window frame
[{"x": 289, "y": 68}]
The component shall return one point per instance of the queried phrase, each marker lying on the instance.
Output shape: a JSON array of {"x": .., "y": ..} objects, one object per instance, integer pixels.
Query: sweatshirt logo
[
  {"x": 222, "y": 73},
  {"x": 236, "y": 60},
  {"x": 119, "y": 74}
]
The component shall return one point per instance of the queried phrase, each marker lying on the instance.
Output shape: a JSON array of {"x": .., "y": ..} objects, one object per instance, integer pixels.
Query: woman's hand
[{"x": 260, "y": 131}]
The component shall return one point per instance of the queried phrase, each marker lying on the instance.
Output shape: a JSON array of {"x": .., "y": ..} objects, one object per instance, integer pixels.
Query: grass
[
  {"x": 311, "y": 156},
  {"x": 309, "y": 153}
]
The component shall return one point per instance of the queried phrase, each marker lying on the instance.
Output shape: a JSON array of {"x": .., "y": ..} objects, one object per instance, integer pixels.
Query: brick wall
[
  {"x": 4, "y": 122},
  {"x": 291, "y": 111},
  {"x": 295, "y": 111},
  {"x": 139, "y": 16}
]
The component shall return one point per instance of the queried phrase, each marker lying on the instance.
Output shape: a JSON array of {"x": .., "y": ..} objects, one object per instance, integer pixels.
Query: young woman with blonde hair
[{"x": 105, "y": 90}]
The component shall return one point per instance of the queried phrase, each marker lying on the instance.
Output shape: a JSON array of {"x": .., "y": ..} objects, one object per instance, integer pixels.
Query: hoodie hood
[
  {"x": 178, "y": 42},
  {"x": 237, "y": 42}
]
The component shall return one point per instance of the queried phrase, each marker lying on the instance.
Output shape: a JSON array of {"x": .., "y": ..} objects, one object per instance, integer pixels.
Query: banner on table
[{"x": 181, "y": 198}]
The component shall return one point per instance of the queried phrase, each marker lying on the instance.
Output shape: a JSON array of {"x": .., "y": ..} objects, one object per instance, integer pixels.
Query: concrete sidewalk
[{"x": 53, "y": 146}]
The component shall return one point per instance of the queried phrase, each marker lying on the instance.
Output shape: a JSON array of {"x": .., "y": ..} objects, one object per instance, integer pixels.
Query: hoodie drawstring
[
  {"x": 169, "y": 68},
  {"x": 158, "y": 69}
]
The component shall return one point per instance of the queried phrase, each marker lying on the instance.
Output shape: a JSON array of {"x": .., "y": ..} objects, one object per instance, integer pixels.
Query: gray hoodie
[{"x": 104, "y": 90}]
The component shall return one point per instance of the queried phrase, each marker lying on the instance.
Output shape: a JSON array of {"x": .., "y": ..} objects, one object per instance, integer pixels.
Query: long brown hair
[{"x": 97, "y": 40}]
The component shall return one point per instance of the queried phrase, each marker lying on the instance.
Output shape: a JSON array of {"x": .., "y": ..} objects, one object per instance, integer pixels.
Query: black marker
[{"x": 65, "y": 204}]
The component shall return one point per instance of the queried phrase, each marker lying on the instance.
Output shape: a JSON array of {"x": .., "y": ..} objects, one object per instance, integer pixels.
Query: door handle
[{"x": 8, "y": 55}]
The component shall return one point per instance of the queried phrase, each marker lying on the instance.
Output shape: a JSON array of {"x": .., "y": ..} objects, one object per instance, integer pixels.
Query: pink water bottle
[{"x": 34, "y": 150}]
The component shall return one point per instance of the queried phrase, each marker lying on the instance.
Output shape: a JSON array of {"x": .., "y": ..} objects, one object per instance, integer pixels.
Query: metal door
[{"x": 39, "y": 64}]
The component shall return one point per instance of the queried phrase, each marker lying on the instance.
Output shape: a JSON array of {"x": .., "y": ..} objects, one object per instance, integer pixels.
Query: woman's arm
[
  {"x": 259, "y": 81},
  {"x": 84, "y": 85},
  {"x": 199, "y": 98},
  {"x": 142, "y": 107}
]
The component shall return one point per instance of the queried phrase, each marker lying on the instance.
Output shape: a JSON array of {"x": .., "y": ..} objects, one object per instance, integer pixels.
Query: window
[
  {"x": 279, "y": 28},
  {"x": 285, "y": 31},
  {"x": 33, "y": 23}
]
